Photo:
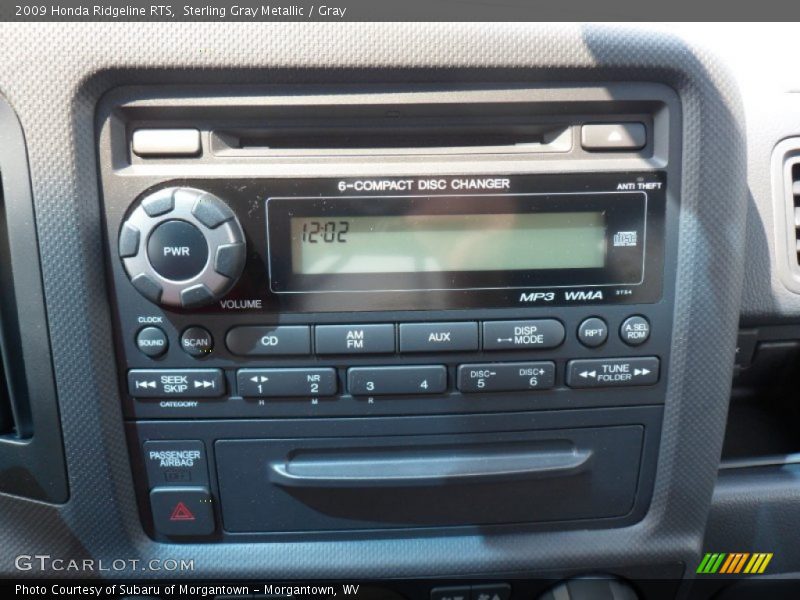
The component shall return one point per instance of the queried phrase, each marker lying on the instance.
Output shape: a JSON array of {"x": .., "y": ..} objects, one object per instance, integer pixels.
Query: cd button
[
  {"x": 283, "y": 340},
  {"x": 438, "y": 337},
  {"x": 522, "y": 335},
  {"x": 354, "y": 339}
]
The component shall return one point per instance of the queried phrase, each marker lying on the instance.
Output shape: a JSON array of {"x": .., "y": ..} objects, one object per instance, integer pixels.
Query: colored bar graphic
[{"x": 734, "y": 563}]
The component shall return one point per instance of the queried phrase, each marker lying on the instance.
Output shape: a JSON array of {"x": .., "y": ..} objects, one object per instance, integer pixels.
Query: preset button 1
[
  {"x": 506, "y": 377},
  {"x": 269, "y": 383}
]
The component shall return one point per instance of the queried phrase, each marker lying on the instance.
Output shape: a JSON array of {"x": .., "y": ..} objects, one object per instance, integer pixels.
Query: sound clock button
[{"x": 152, "y": 342}]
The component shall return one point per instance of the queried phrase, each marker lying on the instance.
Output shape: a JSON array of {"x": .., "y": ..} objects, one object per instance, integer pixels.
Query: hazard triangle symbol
[{"x": 181, "y": 513}]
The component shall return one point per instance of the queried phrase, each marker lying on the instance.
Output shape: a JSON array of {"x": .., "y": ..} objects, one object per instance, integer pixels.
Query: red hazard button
[{"x": 182, "y": 511}]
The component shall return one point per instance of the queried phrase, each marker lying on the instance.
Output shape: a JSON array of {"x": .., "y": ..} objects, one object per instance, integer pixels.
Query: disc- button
[{"x": 177, "y": 250}]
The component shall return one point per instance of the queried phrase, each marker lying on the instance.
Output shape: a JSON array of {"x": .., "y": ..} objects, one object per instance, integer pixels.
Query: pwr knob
[{"x": 182, "y": 247}]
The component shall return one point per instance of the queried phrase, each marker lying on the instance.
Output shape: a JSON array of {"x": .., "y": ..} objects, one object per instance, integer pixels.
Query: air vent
[
  {"x": 7, "y": 426},
  {"x": 795, "y": 192},
  {"x": 786, "y": 199},
  {"x": 14, "y": 408},
  {"x": 31, "y": 450}
]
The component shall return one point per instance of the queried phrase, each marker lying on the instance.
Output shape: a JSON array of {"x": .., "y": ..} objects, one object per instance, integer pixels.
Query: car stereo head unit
[
  {"x": 324, "y": 303},
  {"x": 398, "y": 243}
]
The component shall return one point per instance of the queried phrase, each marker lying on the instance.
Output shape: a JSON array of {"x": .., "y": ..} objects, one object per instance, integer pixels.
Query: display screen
[{"x": 424, "y": 243}]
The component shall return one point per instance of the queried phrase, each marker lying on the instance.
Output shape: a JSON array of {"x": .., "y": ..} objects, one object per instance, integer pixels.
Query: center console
[{"x": 391, "y": 311}]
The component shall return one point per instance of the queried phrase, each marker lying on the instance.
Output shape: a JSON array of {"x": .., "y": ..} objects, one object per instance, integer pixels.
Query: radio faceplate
[
  {"x": 349, "y": 346},
  {"x": 526, "y": 295}
]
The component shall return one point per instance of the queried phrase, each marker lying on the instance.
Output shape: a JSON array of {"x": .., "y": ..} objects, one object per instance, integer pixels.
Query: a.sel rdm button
[
  {"x": 522, "y": 335},
  {"x": 177, "y": 250},
  {"x": 378, "y": 381},
  {"x": 283, "y": 340},
  {"x": 176, "y": 383},
  {"x": 506, "y": 377},
  {"x": 613, "y": 372},
  {"x": 266, "y": 383}
]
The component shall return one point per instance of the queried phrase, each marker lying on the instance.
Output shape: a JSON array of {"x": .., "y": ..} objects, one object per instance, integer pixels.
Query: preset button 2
[{"x": 268, "y": 383}]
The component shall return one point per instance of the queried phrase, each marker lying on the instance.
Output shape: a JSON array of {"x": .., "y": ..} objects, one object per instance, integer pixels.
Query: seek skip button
[
  {"x": 522, "y": 335},
  {"x": 176, "y": 383},
  {"x": 175, "y": 463}
]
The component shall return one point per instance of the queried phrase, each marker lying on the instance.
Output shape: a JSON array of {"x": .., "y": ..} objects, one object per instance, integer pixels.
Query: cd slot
[{"x": 419, "y": 137}]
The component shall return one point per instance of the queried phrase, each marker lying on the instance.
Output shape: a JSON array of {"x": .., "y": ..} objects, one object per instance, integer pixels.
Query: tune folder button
[{"x": 613, "y": 372}]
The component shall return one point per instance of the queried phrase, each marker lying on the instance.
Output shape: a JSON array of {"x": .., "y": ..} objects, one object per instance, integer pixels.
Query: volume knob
[{"x": 182, "y": 247}]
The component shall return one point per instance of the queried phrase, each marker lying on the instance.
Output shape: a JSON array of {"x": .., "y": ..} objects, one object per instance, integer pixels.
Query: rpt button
[{"x": 522, "y": 335}]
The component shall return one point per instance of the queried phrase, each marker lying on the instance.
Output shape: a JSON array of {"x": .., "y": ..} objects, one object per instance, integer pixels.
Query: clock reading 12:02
[{"x": 327, "y": 232}]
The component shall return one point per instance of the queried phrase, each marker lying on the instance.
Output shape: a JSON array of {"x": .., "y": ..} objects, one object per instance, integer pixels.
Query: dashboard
[{"x": 503, "y": 304}]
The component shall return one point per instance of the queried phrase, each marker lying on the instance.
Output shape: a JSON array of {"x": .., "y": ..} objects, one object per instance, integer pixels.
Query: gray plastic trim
[{"x": 57, "y": 109}]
